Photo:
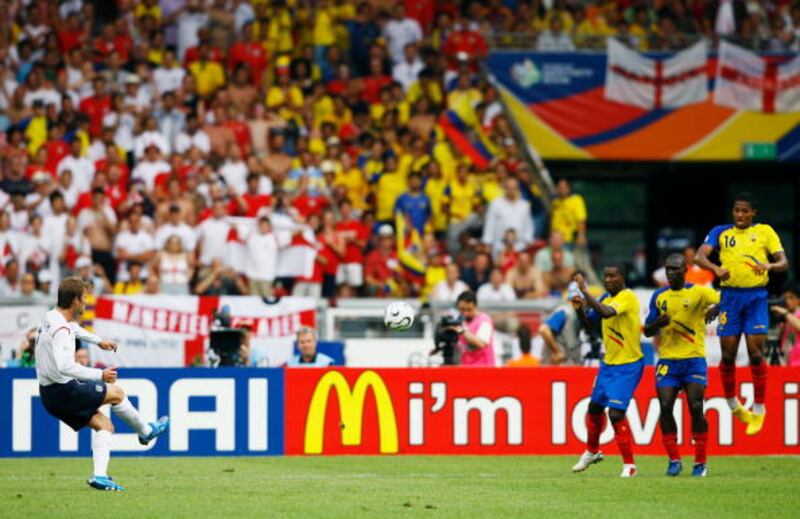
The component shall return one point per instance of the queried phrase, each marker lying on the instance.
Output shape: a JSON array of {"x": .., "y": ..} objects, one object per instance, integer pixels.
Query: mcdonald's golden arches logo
[{"x": 351, "y": 407}]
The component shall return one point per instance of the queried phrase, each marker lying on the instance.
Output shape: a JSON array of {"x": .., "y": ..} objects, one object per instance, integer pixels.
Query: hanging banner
[
  {"x": 627, "y": 106},
  {"x": 173, "y": 331}
]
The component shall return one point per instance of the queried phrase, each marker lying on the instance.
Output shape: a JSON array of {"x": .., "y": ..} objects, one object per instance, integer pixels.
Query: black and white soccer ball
[{"x": 398, "y": 316}]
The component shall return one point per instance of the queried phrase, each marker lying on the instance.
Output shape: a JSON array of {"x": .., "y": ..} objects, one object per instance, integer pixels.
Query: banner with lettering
[
  {"x": 508, "y": 411},
  {"x": 173, "y": 331},
  {"x": 623, "y": 105}
]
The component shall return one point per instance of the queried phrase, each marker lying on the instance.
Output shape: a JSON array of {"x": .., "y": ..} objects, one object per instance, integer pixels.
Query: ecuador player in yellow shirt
[
  {"x": 748, "y": 252},
  {"x": 679, "y": 313},
  {"x": 621, "y": 369}
]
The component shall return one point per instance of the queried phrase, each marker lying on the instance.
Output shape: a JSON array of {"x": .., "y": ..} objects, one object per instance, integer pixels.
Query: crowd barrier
[{"x": 533, "y": 411}]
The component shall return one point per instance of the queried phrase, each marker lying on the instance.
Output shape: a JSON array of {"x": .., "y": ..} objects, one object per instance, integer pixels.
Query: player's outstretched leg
[
  {"x": 622, "y": 435},
  {"x": 727, "y": 371},
  {"x": 101, "y": 453},
  {"x": 595, "y": 423},
  {"x": 123, "y": 408},
  {"x": 758, "y": 368},
  {"x": 669, "y": 429},
  {"x": 695, "y": 394}
]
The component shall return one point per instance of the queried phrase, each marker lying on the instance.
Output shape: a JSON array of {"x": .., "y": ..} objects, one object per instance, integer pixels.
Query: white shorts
[{"x": 351, "y": 274}]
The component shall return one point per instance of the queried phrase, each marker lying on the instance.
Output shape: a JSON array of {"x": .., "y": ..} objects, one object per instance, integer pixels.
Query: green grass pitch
[{"x": 413, "y": 486}]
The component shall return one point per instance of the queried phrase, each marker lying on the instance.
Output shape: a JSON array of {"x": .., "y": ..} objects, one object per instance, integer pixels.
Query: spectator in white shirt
[
  {"x": 400, "y": 31},
  {"x": 234, "y": 171},
  {"x": 18, "y": 212},
  {"x": 148, "y": 169},
  {"x": 176, "y": 227},
  {"x": 10, "y": 282},
  {"x": 171, "y": 121},
  {"x": 174, "y": 266},
  {"x": 212, "y": 235},
  {"x": 137, "y": 97},
  {"x": 555, "y": 39},
  {"x": 508, "y": 212},
  {"x": 149, "y": 136},
  {"x": 9, "y": 238},
  {"x": 193, "y": 137},
  {"x": 447, "y": 291},
  {"x": 262, "y": 257},
  {"x": 81, "y": 167},
  {"x": 67, "y": 188},
  {"x": 133, "y": 244},
  {"x": 190, "y": 19},
  {"x": 496, "y": 290},
  {"x": 406, "y": 72},
  {"x": 169, "y": 76}
]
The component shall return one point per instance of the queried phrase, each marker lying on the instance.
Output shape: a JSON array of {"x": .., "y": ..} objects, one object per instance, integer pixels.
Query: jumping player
[
  {"x": 679, "y": 313},
  {"x": 74, "y": 393},
  {"x": 621, "y": 369},
  {"x": 744, "y": 251}
]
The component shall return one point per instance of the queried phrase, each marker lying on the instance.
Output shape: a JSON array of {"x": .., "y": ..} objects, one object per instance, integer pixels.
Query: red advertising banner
[{"x": 508, "y": 411}]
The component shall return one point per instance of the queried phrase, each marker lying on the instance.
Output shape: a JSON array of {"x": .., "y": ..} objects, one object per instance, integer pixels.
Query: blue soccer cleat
[
  {"x": 674, "y": 468},
  {"x": 157, "y": 428},
  {"x": 104, "y": 483},
  {"x": 700, "y": 470}
]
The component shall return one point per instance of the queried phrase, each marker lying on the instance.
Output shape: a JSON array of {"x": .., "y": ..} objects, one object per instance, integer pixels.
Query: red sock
[
  {"x": 759, "y": 372},
  {"x": 622, "y": 433},
  {"x": 700, "y": 440},
  {"x": 595, "y": 423},
  {"x": 671, "y": 445},
  {"x": 728, "y": 374}
]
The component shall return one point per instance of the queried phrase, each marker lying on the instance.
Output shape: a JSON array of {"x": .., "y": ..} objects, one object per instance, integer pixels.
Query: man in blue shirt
[
  {"x": 415, "y": 204},
  {"x": 308, "y": 357}
]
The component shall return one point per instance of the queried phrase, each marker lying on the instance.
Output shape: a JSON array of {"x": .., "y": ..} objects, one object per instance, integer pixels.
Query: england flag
[
  {"x": 746, "y": 81},
  {"x": 652, "y": 84}
]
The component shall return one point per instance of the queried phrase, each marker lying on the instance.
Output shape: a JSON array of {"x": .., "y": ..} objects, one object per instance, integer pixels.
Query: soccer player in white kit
[{"x": 74, "y": 393}]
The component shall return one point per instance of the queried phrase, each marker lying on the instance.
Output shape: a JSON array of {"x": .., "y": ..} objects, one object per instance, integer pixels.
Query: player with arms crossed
[
  {"x": 744, "y": 251},
  {"x": 621, "y": 369},
  {"x": 74, "y": 393},
  {"x": 679, "y": 313}
]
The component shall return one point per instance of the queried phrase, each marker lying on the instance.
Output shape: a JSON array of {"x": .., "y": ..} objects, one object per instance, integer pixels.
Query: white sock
[
  {"x": 131, "y": 416},
  {"x": 759, "y": 409},
  {"x": 733, "y": 403},
  {"x": 101, "y": 452}
]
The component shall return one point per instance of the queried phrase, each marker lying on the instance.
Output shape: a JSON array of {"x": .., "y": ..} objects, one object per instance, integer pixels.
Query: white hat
[
  {"x": 132, "y": 79},
  {"x": 385, "y": 230},
  {"x": 45, "y": 276},
  {"x": 40, "y": 177},
  {"x": 83, "y": 261}
]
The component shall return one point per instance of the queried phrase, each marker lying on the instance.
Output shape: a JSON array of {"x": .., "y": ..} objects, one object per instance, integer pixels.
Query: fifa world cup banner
[
  {"x": 698, "y": 104},
  {"x": 508, "y": 411},
  {"x": 173, "y": 331},
  {"x": 213, "y": 412}
]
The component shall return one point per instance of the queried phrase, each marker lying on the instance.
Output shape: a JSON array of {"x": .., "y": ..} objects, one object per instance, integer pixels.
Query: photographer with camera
[
  {"x": 475, "y": 332},
  {"x": 789, "y": 313}
]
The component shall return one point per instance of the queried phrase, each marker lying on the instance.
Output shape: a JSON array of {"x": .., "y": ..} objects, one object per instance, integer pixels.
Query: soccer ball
[{"x": 398, "y": 316}]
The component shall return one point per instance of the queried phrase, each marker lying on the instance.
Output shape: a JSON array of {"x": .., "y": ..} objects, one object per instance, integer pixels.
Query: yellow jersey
[
  {"x": 209, "y": 77},
  {"x": 685, "y": 336},
  {"x": 566, "y": 215},
  {"x": 622, "y": 332},
  {"x": 740, "y": 250},
  {"x": 391, "y": 184},
  {"x": 461, "y": 198}
]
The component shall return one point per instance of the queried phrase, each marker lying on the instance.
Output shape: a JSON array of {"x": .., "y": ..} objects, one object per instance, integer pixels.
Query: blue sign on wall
[{"x": 226, "y": 411}]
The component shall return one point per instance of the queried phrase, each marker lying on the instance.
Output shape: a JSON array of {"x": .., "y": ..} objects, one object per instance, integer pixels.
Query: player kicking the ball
[
  {"x": 744, "y": 250},
  {"x": 680, "y": 313},
  {"x": 621, "y": 369},
  {"x": 74, "y": 393}
]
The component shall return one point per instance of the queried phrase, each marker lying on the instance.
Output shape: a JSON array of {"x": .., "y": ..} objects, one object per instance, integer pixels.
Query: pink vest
[{"x": 482, "y": 356}]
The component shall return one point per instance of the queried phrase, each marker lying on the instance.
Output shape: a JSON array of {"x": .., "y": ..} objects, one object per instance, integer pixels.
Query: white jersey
[{"x": 55, "y": 351}]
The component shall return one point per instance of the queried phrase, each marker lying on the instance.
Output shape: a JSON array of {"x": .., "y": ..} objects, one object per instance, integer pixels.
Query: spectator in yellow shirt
[
  {"x": 352, "y": 180},
  {"x": 284, "y": 97},
  {"x": 323, "y": 35},
  {"x": 36, "y": 132},
  {"x": 569, "y": 214},
  {"x": 391, "y": 183},
  {"x": 208, "y": 75},
  {"x": 460, "y": 195},
  {"x": 434, "y": 188}
]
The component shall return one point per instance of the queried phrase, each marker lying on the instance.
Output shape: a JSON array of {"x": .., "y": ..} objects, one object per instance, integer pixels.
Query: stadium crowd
[{"x": 183, "y": 146}]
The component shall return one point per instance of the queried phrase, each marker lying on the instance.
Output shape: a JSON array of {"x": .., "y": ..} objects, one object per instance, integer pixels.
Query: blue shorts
[
  {"x": 74, "y": 403},
  {"x": 616, "y": 383},
  {"x": 743, "y": 310},
  {"x": 678, "y": 372}
]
